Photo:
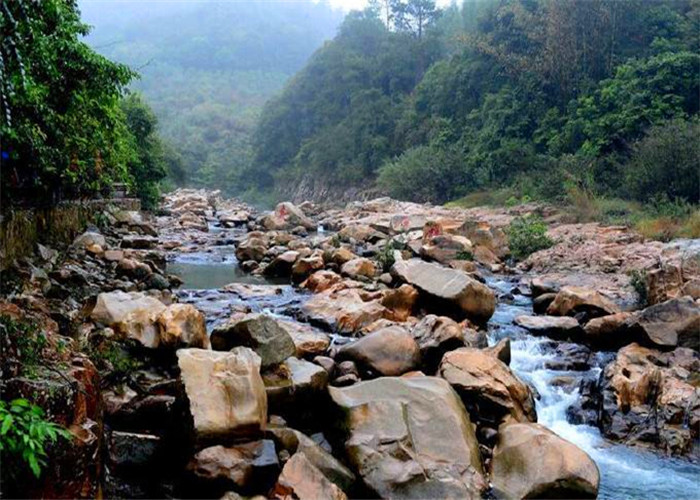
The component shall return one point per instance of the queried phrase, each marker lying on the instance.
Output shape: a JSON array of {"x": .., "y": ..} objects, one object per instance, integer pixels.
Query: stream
[{"x": 626, "y": 472}]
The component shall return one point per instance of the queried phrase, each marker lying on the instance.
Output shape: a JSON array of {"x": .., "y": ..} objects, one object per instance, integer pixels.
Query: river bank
[{"x": 384, "y": 349}]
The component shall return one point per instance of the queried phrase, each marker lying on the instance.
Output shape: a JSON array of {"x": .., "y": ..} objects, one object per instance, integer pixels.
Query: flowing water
[{"x": 626, "y": 472}]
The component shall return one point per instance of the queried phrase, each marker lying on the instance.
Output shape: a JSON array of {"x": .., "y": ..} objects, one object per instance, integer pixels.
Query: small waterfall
[{"x": 626, "y": 472}]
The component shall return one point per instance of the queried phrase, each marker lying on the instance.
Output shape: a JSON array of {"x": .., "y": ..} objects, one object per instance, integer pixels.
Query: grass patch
[{"x": 492, "y": 198}]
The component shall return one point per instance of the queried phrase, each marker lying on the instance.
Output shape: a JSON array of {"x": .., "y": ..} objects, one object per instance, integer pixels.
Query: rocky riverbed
[{"x": 384, "y": 349}]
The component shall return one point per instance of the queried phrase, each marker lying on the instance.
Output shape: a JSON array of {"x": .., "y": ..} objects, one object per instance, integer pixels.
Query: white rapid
[{"x": 626, "y": 472}]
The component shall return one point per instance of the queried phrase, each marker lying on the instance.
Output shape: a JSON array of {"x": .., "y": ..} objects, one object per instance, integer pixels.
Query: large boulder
[
  {"x": 670, "y": 324},
  {"x": 400, "y": 301},
  {"x": 572, "y": 300},
  {"x": 556, "y": 327},
  {"x": 447, "y": 247},
  {"x": 89, "y": 239},
  {"x": 294, "y": 441},
  {"x": 225, "y": 391},
  {"x": 389, "y": 351},
  {"x": 447, "y": 291},
  {"x": 182, "y": 325},
  {"x": 530, "y": 461},
  {"x": 113, "y": 307},
  {"x": 410, "y": 437},
  {"x": 132, "y": 315},
  {"x": 344, "y": 311},
  {"x": 359, "y": 268},
  {"x": 651, "y": 398},
  {"x": 260, "y": 332},
  {"x": 489, "y": 389},
  {"x": 607, "y": 332},
  {"x": 248, "y": 467},
  {"x": 287, "y": 216},
  {"x": 295, "y": 386},
  {"x": 301, "y": 479},
  {"x": 308, "y": 340},
  {"x": 437, "y": 335},
  {"x": 281, "y": 266},
  {"x": 252, "y": 248}
]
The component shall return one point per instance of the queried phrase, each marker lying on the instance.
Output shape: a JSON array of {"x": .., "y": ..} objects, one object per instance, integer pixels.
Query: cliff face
[{"x": 321, "y": 190}]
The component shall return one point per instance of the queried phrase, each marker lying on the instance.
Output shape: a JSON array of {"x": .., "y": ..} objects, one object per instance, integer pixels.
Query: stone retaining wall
[{"x": 21, "y": 230}]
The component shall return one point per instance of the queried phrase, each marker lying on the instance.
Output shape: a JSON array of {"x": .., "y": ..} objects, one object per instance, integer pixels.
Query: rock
[
  {"x": 306, "y": 266},
  {"x": 234, "y": 218},
  {"x": 287, "y": 216},
  {"x": 501, "y": 350},
  {"x": 135, "y": 317},
  {"x": 489, "y": 389},
  {"x": 484, "y": 255},
  {"x": 301, "y": 479},
  {"x": 607, "y": 332},
  {"x": 572, "y": 300},
  {"x": 133, "y": 269},
  {"x": 308, "y": 340},
  {"x": 400, "y": 301},
  {"x": 359, "y": 267},
  {"x": 249, "y": 467},
  {"x": 341, "y": 255},
  {"x": 252, "y": 248},
  {"x": 405, "y": 223},
  {"x": 570, "y": 357},
  {"x": 133, "y": 450},
  {"x": 182, "y": 325},
  {"x": 651, "y": 398},
  {"x": 435, "y": 336},
  {"x": 294, "y": 387},
  {"x": 89, "y": 238},
  {"x": 295, "y": 442},
  {"x": 139, "y": 241},
  {"x": 157, "y": 281},
  {"x": 674, "y": 323},
  {"x": 389, "y": 351},
  {"x": 538, "y": 286},
  {"x": 281, "y": 266},
  {"x": 541, "y": 303},
  {"x": 113, "y": 255},
  {"x": 530, "y": 461},
  {"x": 447, "y": 289},
  {"x": 556, "y": 327},
  {"x": 447, "y": 247},
  {"x": 212, "y": 381},
  {"x": 321, "y": 280},
  {"x": 410, "y": 438},
  {"x": 360, "y": 233},
  {"x": 342, "y": 311},
  {"x": 259, "y": 332},
  {"x": 663, "y": 283}
]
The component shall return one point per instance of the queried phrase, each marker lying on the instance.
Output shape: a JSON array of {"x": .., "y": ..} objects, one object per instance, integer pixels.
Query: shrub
[
  {"x": 25, "y": 343},
  {"x": 526, "y": 235},
  {"x": 385, "y": 256},
  {"x": 638, "y": 280},
  {"x": 24, "y": 434},
  {"x": 424, "y": 173}
]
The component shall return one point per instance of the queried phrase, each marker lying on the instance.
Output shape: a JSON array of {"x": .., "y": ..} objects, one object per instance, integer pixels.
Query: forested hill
[
  {"x": 206, "y": 68},
  {"x": 546, "y": 98}
]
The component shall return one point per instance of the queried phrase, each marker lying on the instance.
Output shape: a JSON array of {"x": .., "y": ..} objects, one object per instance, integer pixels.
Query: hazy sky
[{"x": 343, "y": 4}]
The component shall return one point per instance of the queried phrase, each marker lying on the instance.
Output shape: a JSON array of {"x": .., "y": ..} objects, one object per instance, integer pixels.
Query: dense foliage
[
  {"x": 24, "y": 435},
  {"x": 208, "y": 67},
  {"x": 543, "y": 96},
  {"x": 68, "y": 131}
]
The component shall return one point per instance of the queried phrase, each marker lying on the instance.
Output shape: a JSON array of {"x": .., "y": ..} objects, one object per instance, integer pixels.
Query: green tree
[
  {"x": 63, "y": 134},
  {"x": 147, "y": 167}
]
